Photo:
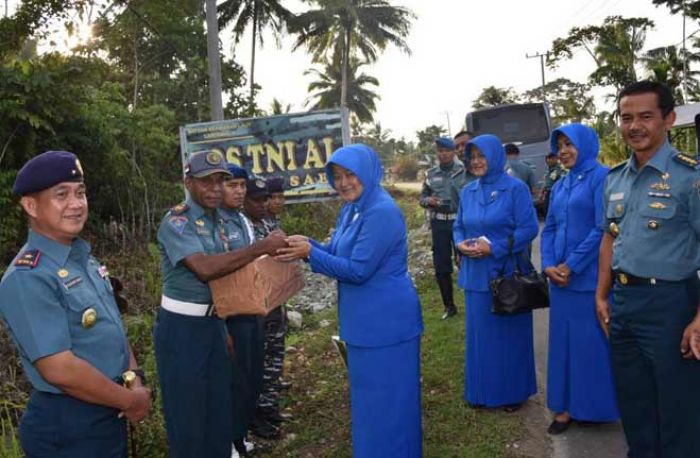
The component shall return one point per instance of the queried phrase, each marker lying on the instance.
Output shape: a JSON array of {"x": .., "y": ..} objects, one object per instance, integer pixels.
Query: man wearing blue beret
[
  {"x": 440, "y": 198},
  {"x": 190, "y": 340},
  {"x": 59, "y": 305}
]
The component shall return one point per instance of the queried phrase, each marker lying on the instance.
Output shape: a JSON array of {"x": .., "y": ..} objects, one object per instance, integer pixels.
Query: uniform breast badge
[{"x": 89, "y": 318}]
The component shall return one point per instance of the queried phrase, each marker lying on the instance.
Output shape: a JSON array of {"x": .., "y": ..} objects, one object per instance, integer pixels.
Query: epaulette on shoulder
[
  {"x": 28, "y": 259},
  {"x": 687, "y": 160},
  {"x": 179, "y": 209}
]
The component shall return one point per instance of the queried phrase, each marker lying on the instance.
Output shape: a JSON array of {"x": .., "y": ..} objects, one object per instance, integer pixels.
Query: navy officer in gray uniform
[
  {"x": 190, "y": 340},
  {"x": 440, "y": 197},
  {"x": 649, "y": 257},
  {"x": 59, "y": 305}
]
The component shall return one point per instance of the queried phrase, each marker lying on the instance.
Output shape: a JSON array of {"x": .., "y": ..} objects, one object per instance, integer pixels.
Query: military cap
[
  {"x": 256, "y": 187},
  {"x": 237, "y": 172},
  {"x": 46, "y": 170},
  {"x": 445, "y": 142},
  {"x": 204, "y": 163},
  {"x": 512, "y": 148},
  {"x": 275, "y": 184}
]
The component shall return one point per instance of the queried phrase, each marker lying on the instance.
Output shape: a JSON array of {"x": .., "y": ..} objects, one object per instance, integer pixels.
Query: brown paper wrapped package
[{"x": 257, "y": 288}]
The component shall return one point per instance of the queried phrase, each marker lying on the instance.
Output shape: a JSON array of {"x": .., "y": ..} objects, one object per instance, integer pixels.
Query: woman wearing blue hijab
[
  {"x": 379, "y": 312},
  {"x": 500, "y": 363},
  {"x": 579, "y": 380}
]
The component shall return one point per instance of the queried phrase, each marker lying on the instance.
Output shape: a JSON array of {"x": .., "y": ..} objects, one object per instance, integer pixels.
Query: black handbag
[{"x": 519, "y": 293}]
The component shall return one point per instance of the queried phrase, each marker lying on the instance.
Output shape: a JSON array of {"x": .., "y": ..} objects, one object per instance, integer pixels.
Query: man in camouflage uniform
[
  {"x": 554, "y": 173},
  {"x": 276, "y": 321},
  {"x": 264, "y": 422}
]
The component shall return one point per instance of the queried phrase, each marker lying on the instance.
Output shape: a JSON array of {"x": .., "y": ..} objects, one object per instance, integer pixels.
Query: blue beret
[
  {"x": 256, "y": 186},
  {"x": 445, "y": 142},
  {"x": 46, "y": 170},
  {"x": 204, "y": 163},
  {"x": 275, "y": 184},
  {"x": 236, "y": 171}
]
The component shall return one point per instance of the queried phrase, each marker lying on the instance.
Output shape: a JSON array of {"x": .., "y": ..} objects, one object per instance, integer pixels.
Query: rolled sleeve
[{"x": 32, "y": 310}]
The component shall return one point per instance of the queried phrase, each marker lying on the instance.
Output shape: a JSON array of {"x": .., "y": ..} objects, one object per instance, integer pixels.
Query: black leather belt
[{"x": 625, "y": 279}]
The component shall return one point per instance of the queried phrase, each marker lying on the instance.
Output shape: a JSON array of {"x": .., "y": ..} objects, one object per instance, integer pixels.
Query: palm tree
[
  {"x": 259, "y": 14},
  {"x": 278, "y": 108},
  {"x": 326, "y": 90},
  {"x": 666, "y": 65},
  {"x": 339, "y": 27}
]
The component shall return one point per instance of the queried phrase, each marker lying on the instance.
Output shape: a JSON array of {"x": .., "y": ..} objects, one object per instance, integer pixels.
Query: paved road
[{"x": 604, "y": 441}]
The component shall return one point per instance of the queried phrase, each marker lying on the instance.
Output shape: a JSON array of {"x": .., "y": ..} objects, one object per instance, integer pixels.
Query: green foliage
[
  {"x": 692, "y": 8},
  {"x": 9, "y": 442},
  {"x": 406, "y": 168},
  {"x": 615, "y": 46},
  {"x": 313, "y": 219},
  {"x": 325, "y": 90},
  {"x": 13, "y": 226},
  {"x": 569, "y": 101},
  {"x": 666, "y": 65},
  {"x": 613, "y": 149},
  {"x": 427, "y": 136},
  {"x": 493, "y": 96}
]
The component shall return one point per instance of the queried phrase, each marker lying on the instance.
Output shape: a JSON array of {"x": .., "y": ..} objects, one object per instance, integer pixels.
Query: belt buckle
[{"x": 623, "y": 279}]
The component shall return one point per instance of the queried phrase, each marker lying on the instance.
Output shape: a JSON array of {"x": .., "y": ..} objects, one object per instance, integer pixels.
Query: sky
[{"x": 458, "y": 48}]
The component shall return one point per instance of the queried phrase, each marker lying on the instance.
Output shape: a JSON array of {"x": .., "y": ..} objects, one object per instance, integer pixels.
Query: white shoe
[
  {"x": 234, "y": 452},
  {"x": 249, "y": 446}
]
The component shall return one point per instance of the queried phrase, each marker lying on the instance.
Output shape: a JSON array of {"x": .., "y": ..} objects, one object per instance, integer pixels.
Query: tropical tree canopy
[
  {"x": 569, "y": 101},
  {"x": 666, "y": 65},
  {"x": 325, "y": 90},
  {"x": 493, "y": 96},
  {"x": 615, "y": 46}
]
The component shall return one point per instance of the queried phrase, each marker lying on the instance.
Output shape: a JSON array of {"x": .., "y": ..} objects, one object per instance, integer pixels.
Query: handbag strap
[{"x": 516, "y": 259}]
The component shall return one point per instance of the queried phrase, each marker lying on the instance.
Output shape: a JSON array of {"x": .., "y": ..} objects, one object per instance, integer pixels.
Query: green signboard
[{"x": 293, "y": 146}]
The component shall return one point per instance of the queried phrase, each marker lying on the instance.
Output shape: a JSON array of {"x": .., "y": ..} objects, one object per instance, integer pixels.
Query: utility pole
[
  {"x": 214, "y": 60},
  {"x": 542, "y": 57},
  {"x": 6, "y": 8},
  {"x": 449, "y": 127},
  {"x": 685, "y": 61}
]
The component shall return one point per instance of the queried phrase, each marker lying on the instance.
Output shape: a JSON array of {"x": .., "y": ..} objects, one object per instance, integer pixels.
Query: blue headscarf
[
  {"x": 492, "y": 149},
  {"x": 365, "y": 164},
  {"x": 584, "y": 138}
]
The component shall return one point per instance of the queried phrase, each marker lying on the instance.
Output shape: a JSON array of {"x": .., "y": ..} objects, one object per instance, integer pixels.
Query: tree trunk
[
  {"x": 344, "y": 74},
  {"x": 252, "y": 58}
]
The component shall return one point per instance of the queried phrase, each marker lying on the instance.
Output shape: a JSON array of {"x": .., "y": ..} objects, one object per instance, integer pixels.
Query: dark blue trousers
[
  {"x": 443, "y": 247},
  {"x": 60, "y": 426},
  {"x": 247, "y": 368},
  {"x": 194, "y": 370},
  {"x": 658, "y": 392}
]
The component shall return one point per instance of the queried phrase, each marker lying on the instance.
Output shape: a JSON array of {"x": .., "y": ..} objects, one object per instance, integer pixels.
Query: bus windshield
[{"x": 521, "y": 124}]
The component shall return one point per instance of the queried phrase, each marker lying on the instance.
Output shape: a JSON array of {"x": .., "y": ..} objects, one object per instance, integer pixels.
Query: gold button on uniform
[
  {"x": 618, "y": 209},
  {"x": 89, "y": 318},
  {"x": 623, "y": 279},
  {"x": 614, "y": 229},
  {"x": 653, "y": 225}
]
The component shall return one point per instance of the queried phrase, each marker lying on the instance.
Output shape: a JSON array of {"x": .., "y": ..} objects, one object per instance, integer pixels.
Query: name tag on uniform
[{"x": 617, "y": 196}]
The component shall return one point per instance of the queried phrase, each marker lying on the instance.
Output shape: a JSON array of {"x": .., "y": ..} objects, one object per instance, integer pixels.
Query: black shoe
[
  {"x": 510, "y": 408},
  {"x": 449, "y": 312},
  {"x": 558, "y": 427},
  {"x": 264, "y": 429}
]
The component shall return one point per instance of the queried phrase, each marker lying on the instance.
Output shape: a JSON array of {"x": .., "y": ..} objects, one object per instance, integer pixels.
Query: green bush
[{"x": 313, "y": 219}]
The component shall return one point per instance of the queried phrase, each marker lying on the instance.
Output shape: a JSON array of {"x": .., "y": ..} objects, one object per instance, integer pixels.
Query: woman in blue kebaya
[
  {"x": 378, "y": 311},
  {"x": 500, "y": 362},
  {"x": 579, "y": 381}
]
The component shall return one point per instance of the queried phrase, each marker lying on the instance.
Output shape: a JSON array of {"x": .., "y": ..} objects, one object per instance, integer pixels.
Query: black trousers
[{"x": 443, "y": 247}]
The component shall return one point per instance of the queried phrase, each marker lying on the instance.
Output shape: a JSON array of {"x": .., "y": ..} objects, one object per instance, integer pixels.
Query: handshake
[{"x": 286, "y": 248}]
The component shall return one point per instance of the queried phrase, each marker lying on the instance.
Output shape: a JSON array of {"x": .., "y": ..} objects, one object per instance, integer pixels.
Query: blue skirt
[
  {"x": 385, "y": 400},
  {"x": 579, "y": 378},
  {"x": 500, "y": 358}
]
